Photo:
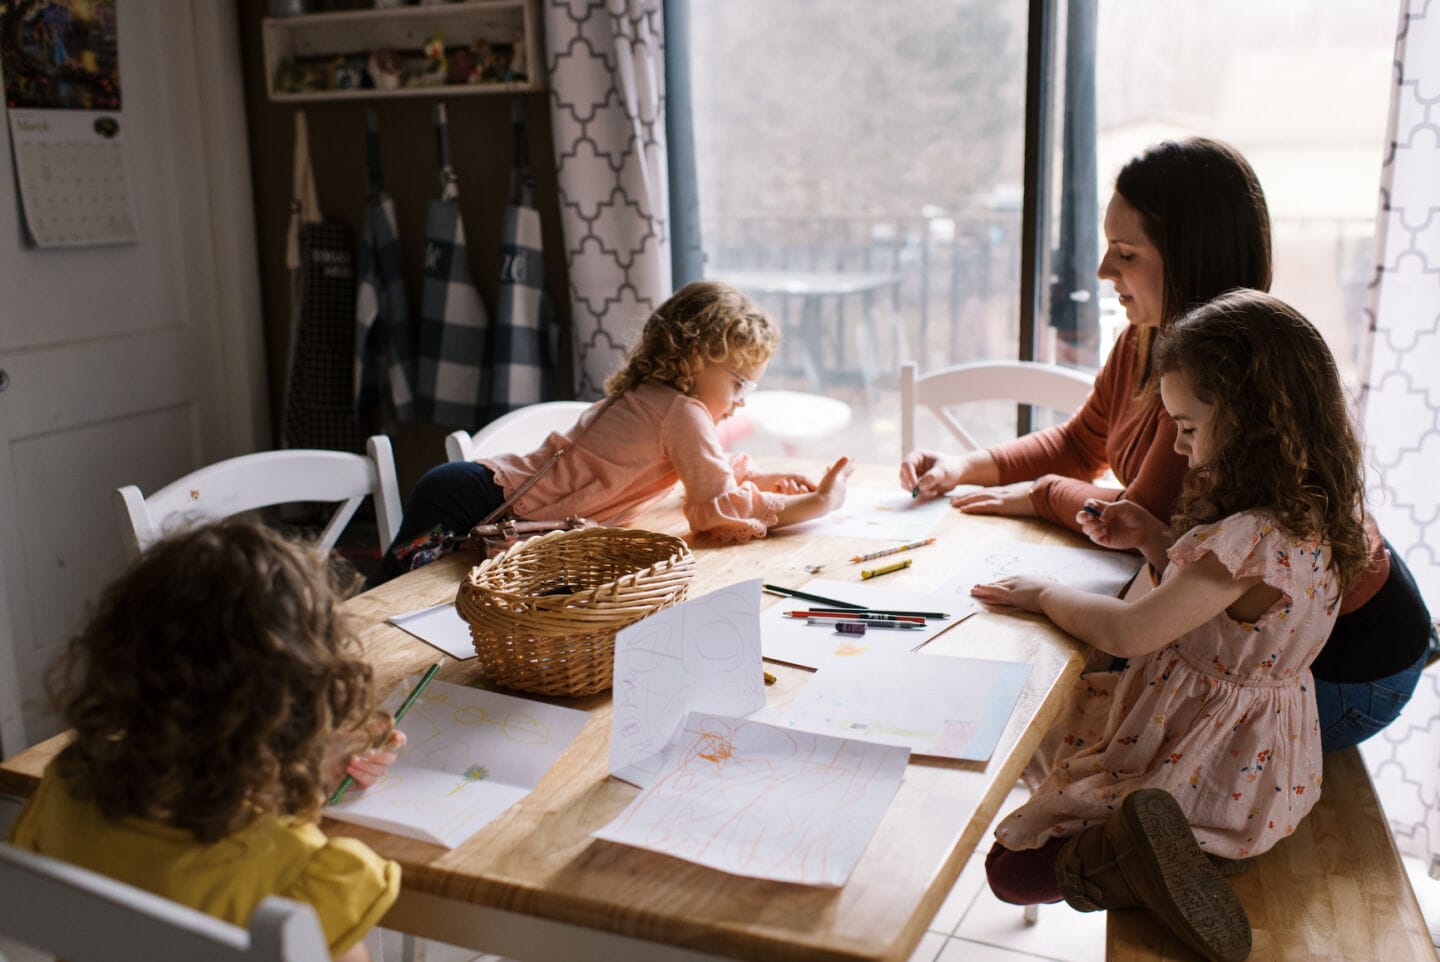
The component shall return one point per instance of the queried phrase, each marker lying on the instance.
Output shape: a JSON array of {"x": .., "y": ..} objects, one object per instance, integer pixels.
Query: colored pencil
[
  {"x": 347, "y": 781},
  {"x": 869, "y": 623},
  {"x": 868, "y": 612},
  {"x": 889, "y": 551},
  {"x": 796, "y": 593},
  {"x": 872, "y": 615}
]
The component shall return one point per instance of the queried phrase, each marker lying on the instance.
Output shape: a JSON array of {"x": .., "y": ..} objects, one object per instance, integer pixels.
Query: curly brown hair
[
  {"x": 209, "y": 683},
  {"x": 703, "y": 322},
  {"x": 1281, "y": 433}
]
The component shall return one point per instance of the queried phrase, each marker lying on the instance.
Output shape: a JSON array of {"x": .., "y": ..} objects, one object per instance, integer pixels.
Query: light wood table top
[{"x": 538, "y": 859}]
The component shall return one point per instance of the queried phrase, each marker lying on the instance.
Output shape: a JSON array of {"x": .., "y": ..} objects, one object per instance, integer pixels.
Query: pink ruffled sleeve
[
  {"x": 717, "y": 501},
  {"x": 1251, "y": 544}
]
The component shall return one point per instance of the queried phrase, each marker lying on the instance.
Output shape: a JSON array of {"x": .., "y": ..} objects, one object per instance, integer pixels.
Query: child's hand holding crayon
[{"x": 370, "y": 766}]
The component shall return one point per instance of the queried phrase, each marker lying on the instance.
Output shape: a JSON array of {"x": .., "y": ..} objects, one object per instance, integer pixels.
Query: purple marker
[{"x": 850, "y": 628}]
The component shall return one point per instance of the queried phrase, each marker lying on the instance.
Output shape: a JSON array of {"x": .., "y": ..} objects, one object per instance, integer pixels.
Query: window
[
  {"x": 1301, "y": 89},
  {"x": 859, "y": 168}
]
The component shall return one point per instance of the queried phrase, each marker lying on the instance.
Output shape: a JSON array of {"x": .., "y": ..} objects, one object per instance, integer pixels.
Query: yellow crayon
[{"x": 885, "y": 569}]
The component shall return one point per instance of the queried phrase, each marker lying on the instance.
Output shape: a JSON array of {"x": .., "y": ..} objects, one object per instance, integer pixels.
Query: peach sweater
[{"x": 639, "y": 447}]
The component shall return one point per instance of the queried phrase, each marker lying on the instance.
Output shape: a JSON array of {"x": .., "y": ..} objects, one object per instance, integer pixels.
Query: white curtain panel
[
  {"x": 606, "y": 64},
  {"x": 1400, "y": 399}
]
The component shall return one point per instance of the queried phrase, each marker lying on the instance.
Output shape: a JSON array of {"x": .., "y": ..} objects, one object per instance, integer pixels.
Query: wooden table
[{"x": 534, "y": 885}]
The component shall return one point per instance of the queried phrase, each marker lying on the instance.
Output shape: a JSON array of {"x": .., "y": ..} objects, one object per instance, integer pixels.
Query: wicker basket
[{"x": 543, "y": 615}]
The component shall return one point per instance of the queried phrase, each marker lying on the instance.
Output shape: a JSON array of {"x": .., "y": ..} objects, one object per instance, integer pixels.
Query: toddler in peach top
[{"x": 700, "y": 354}]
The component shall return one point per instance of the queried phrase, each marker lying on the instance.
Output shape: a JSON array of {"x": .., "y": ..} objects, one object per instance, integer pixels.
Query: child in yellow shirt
[{"x": 216, "y": 695}]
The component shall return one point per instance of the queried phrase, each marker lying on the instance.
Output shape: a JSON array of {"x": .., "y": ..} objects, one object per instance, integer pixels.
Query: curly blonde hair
[
  {"x": 703, "y": 322},
  {"x": 208, "y": 684},
  {"x": 1282, "y": 437}
]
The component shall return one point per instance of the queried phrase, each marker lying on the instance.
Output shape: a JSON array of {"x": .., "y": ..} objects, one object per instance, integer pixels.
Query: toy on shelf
[{"x": 434, "y": 65}]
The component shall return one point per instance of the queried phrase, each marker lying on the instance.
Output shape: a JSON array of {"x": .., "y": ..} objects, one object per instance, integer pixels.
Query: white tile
[
  {"x": 952, "y": 910},
  {"x": 1059, "y": 928},
  {"x": 929, "y": 947},
  {"x": 963, "y": 950},
  {"x": 972, "y": 877}
]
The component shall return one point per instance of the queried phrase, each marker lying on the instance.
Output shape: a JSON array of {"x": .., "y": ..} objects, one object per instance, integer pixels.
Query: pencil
[
  {"x": 871, "y": 612},
  {"x": 796, "y": 593},
  {"x": 868, "y": 573},
  {"x": 889, "y": 551},
  {"x": 867, "y": 613},
  {"x": 347, "y": 781}
]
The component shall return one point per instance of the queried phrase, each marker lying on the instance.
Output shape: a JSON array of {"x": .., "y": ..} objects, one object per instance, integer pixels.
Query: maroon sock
[{"x": 1026, "y": 877}]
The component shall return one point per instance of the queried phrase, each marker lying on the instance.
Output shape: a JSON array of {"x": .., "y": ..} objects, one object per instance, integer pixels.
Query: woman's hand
[
  {"x": 926, "y": 474},
  {"x": 782, "y": 483},
  {"x": 1007, "y": 499},
  {"x": 371, "y": 765},
  {"x": 929, "y": 473},
  {"x": 1018, "y": 591}
]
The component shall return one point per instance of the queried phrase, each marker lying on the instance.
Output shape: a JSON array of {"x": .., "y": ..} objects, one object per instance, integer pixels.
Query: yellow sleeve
[{"x": 350, "y": 887}]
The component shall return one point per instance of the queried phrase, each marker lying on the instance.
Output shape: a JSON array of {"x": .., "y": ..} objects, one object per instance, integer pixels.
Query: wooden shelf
[{"x": 359, "y": 32}]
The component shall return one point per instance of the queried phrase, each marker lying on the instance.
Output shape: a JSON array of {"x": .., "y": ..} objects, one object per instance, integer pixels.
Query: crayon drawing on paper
[
  {"x": 753, "y": 799},
  {"x": 469, "y": 755}
]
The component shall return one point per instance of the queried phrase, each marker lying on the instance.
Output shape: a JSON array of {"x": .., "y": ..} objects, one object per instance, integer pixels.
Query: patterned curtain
[
  {"x": 1400, "y": 397},
  {"x": 607, "y": 90}
]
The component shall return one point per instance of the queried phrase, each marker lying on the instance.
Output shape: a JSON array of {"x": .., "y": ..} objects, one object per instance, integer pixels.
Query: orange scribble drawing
[{"x": 720, "y": 747}]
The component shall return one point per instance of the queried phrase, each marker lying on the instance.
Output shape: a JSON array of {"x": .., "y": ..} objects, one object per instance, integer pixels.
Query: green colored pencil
[{"x": 348, "y": 780}]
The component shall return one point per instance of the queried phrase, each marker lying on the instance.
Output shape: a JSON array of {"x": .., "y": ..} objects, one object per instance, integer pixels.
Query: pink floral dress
[{"x": 1223, "y": 717}]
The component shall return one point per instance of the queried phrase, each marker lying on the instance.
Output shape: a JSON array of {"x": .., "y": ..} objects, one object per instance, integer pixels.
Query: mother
[{"x": 1187, "y": 222}]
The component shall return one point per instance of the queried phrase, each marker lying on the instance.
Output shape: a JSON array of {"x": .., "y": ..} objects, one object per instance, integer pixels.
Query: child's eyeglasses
[{"x": 745, "y": 385}]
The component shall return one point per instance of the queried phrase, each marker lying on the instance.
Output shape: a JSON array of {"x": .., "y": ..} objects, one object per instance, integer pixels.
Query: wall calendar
[{"x": 67, "y": 131}]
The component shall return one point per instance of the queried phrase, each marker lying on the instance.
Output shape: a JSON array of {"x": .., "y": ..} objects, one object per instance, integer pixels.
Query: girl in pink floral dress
[{"x": 1208, "y": 742}]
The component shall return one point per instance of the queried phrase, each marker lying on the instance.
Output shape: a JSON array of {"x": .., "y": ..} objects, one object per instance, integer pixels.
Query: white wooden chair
[
  {"x": 268, "y": 478},
  {"x": 1024, "y": 382},
  {"x": 518, "y": 432},
  {"x": 81, "y": 916}
]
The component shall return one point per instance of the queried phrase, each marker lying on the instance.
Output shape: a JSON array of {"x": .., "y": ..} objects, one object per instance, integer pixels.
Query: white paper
[
  {"x": 932, "y": 704},
  {"x": 439, "y": 626},
  {"x": 700, "y": 655},
  {"x": 756, "y": 800},
  {"x": 880, "y": 513},
  {"x": 793, "y": 641},
  {"x": 1090, "y": 569},
  {"x": 469, "y": 755}
]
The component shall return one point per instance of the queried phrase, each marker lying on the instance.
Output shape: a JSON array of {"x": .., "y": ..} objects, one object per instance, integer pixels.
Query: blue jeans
[{"x": 1351, "y": 712}]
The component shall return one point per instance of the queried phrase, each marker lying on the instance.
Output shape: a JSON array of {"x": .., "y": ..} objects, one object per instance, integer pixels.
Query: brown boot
[{"x": 1145, "y": 856}]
